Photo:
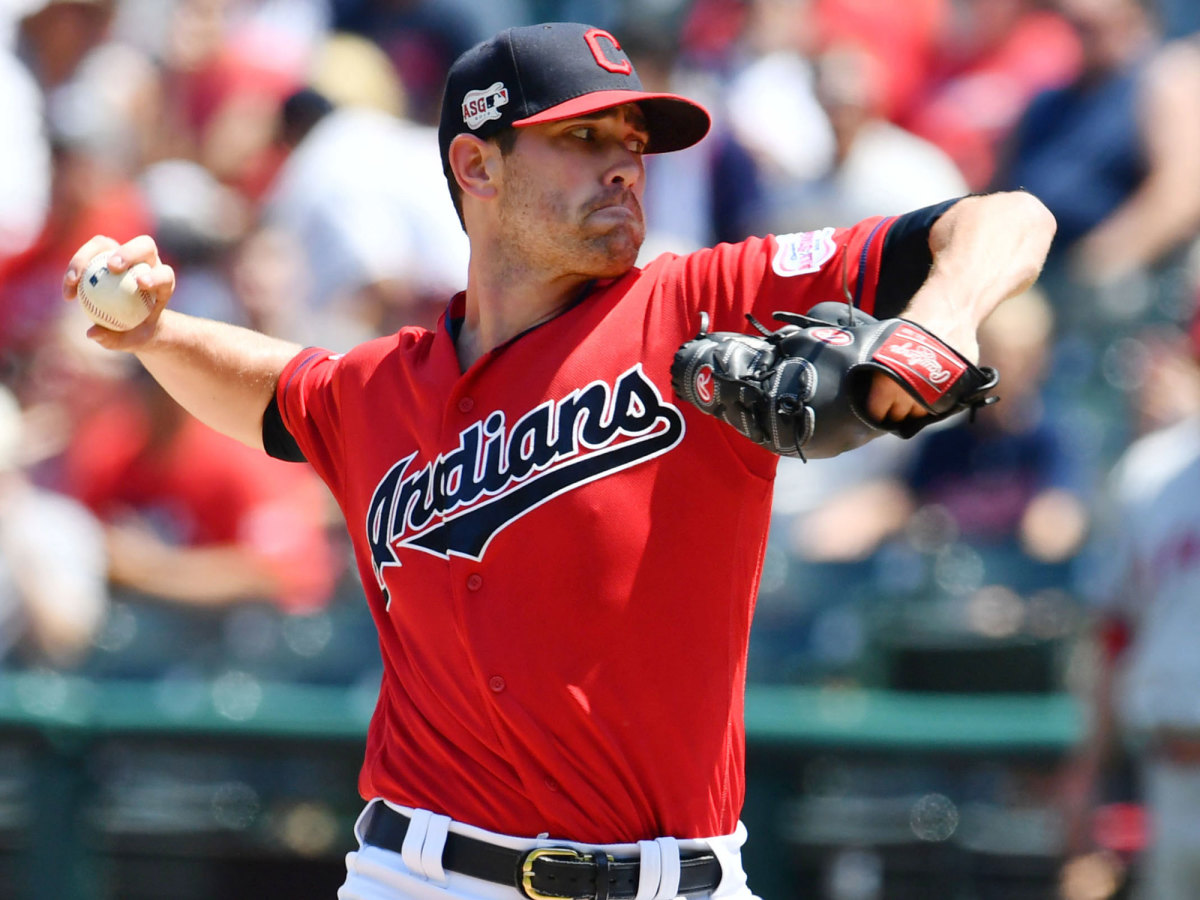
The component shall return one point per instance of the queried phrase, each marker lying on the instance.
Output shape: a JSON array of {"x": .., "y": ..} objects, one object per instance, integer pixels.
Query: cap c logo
[{"x": 593, "y": 36}]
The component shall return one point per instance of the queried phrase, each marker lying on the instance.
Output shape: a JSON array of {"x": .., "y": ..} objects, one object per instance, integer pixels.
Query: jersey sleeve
[
  {"x": 876, "y": 264},
  {"x": 308, "y": 397},
  {"x": 277, "y": 440},
  {"x": 906, "y": 259}
]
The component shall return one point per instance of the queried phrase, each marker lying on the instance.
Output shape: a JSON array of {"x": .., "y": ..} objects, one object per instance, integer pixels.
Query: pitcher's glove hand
[{"x": 802, "y": 390}]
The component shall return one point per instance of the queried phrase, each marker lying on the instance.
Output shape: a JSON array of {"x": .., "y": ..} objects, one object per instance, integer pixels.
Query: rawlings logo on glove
[{"x": 802, "y": 390}]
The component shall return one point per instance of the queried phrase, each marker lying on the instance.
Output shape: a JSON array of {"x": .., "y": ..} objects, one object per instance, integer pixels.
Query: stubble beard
[{"x": 545, "y": 233}]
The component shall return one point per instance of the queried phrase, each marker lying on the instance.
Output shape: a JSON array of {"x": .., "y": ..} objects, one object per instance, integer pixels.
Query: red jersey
[{"x": 562, "y": 610}]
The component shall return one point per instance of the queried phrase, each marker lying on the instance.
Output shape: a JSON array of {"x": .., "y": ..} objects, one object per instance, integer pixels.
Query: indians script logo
[{"x": 455, "y": 504}]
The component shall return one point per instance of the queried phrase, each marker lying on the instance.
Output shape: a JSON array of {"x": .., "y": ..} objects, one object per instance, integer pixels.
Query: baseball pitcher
[{"x": 533, "y": 486}]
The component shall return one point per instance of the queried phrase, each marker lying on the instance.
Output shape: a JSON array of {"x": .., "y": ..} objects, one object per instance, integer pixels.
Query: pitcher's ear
[{"x": 472, "y": 161}]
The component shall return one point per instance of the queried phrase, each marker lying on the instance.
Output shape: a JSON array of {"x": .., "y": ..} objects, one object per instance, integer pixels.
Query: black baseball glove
[{"x": 802, "y": 390}]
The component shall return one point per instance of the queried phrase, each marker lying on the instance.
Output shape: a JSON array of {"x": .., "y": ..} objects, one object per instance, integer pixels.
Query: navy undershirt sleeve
[
  {"x": 277, "y": 440},
  {"x": 906, "y": 259}
]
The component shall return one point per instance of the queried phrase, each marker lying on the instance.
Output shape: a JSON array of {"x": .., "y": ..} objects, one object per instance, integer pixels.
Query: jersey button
[
  {"x": 497, "y": 684},
  {"x": 474, "y": 581},
  {"x": 466, "y": 404}
]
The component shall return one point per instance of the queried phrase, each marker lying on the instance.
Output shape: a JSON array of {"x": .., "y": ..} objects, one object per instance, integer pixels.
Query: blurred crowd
[{"x": 283, "y": 154}]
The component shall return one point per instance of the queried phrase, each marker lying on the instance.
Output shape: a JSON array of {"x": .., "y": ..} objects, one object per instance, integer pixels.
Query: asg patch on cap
[{"x": 480, "y": 106}]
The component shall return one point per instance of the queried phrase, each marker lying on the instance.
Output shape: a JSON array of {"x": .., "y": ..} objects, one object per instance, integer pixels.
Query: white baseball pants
[{"x": 416, "y": 873}]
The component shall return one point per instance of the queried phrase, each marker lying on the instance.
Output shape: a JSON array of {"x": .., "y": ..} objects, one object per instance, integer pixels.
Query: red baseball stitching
[{"x": 97, "y": 313}]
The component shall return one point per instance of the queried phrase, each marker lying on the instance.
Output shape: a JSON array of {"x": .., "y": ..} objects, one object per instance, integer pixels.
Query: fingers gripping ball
[
  {"x": 802, "y": 390},
  {"x": 113, "y": 299}
]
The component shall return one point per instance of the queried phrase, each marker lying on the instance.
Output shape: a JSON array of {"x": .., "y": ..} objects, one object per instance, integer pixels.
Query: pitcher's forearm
[
  {"x": 222, "y": 374},
  {"x": 985, "y": 250}
]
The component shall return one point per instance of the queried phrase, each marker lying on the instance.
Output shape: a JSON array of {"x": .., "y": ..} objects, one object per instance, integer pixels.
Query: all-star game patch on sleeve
[
  {"x": 876, "y": 264},
  {"x": 793, "y": 272}
]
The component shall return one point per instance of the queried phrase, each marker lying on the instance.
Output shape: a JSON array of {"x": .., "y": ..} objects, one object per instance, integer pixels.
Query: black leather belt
[{"x": 544, "y": 873}]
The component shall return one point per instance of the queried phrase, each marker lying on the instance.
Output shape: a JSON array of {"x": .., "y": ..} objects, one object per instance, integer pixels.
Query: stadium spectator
[
  {"x": 226, "y": 68},
  {"x": 877, "y": 167},
  {"x": 902, "y": 36},
  {"x": 54, "y": 37},
  {"x": 24, "y": 156},
  {"x": 89, "y": 190},
  {"x": 194, "y": 518},
  {"x": 1115, "y": 154},
  {"x": 1143, "y": 698},
  {"x": 772, "y": 81},
  {"x": 421, "y": 38},
  {"x": 993, "y": 57},
  {"x": 702, "y": 195},
  {"x": 268, "y": 275},
  {"x": 53, "y": 597},
  {"x": 363, "y": 193}
]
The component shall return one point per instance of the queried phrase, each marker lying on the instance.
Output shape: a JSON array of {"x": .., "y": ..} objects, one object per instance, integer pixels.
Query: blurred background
[{"x": 186, "y": 664}]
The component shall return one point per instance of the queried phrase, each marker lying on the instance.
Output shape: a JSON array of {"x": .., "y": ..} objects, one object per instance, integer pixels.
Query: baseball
[{"x": 114, "y": 300}]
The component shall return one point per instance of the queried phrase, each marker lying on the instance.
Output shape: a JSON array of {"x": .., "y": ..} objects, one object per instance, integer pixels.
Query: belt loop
[
  {"x": 414, "y": 840},
  {"x": 668, "y": 886},
  {"x": 364, "y": 818},
  {"x": 431, "y": 849},
  {"x": 600, "y": 858},
  {"x": 728, "y": 851},
  {"x": 649, "y": 871}
]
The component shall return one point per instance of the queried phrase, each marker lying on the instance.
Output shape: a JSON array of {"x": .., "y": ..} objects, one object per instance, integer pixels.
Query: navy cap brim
[{"x": 673, "y": 122}]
